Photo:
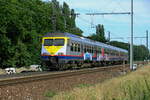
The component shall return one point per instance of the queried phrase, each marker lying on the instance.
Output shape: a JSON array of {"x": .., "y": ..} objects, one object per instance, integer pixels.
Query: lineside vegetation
[
  {"x": 134, "y": 86},
  {"x": 22, "y": 25}
]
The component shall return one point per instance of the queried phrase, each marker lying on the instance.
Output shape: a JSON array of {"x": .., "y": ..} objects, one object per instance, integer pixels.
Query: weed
[
  {"x": 50, "y": 94},
  {"x": 83, "y": 85}
]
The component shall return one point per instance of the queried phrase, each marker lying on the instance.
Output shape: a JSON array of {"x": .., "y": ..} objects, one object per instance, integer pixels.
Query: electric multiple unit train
[{"x": 61, "y": 49}]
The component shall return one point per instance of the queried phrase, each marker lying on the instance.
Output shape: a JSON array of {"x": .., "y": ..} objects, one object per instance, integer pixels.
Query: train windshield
[
  {"x": 58, "y": 42},
  {"x": 54, "y": 42},
  {"x": 48, "y": 42}
]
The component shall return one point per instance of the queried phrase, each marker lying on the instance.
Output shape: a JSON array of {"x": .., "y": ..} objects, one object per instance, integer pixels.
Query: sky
[{"x": 118, "y": 25}]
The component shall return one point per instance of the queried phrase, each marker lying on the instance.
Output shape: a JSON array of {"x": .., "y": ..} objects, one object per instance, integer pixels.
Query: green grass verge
[
  {"x": 134, "y": 86},
  {"x": 83, "y": 85}
]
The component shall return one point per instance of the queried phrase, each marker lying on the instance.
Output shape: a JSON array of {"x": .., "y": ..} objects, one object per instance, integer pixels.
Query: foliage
[
  {"x": 140, "y": 52},
  {"x": 24, "y": 22},
  {"x": 134, "y": 86},
  {"x": 120, "y": 44},
  {"x": 100, "y": 34},
  {"x": 83, "y": 85}
]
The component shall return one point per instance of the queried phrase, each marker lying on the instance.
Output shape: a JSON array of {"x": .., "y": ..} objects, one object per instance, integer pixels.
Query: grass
[
  {"x": 83, "y": 85},
  {"x": 2, "y": 71},
  {"x": 134, "y": 86},
  {"x": 50, "y": 94}
]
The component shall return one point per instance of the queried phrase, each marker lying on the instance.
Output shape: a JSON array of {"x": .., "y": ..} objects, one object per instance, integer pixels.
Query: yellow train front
[{"x": 53, "y": 48}]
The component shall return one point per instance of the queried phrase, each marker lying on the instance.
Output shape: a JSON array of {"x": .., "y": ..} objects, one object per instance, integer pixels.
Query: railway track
[
  {"x": 30, "y": 77},
  {"x": 11, "y": 87}
]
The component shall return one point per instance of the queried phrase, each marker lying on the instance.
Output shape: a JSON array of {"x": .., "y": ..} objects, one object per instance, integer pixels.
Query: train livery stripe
[
  {"x": 64, "y": 55},
  {"x": 70, "y": 57},
  {"x": 67, "y": 56}
]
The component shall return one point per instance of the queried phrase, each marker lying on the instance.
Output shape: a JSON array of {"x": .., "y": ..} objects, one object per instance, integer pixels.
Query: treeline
[
  {"x": 24, "y": 22},
  {"x": 140, "y": 52}
]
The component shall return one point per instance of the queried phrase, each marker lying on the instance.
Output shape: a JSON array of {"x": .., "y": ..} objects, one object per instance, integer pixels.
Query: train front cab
[{"x": 52, "y": 48}]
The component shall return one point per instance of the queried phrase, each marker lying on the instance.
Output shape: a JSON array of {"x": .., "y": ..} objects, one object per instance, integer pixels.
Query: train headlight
[{"x": 52, "y": 53}]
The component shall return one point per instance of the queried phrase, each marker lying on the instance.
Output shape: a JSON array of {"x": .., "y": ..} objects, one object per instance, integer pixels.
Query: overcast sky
[{"x": 118, "y": 25}]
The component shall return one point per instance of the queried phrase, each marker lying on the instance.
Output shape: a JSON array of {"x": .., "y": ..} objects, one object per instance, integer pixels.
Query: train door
[
  {"x": 99, "y": 53},
  {"x": 106, "y": 54},
  {"x": 87, "y": 54},
  {"x": 102, "y": 54},
  {"x": 95, "y": 52}
]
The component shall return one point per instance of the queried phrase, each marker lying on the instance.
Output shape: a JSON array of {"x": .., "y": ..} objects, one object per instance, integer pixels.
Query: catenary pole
[
  {"x": 109, "y": 36},
  {"x": 131, "y": 44},
  {"x": 147, "y": 38}
]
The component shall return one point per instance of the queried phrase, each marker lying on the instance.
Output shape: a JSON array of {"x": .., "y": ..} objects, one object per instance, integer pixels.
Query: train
[{"x": 65, "y": 50}]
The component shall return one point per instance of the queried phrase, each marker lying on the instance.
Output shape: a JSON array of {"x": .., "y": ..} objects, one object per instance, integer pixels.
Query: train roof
[{"x": 84, "y": 40}]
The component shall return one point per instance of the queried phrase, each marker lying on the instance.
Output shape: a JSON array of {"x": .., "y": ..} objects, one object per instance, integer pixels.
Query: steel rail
[{"x": 33, "y": 78}]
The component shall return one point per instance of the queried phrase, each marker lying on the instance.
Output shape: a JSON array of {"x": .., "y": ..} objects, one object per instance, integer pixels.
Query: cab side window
[
  {"x": 79, "y": 46},
  {"x": 68, "y": 42}
]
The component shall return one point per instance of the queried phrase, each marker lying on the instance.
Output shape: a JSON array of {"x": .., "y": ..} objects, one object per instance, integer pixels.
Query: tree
[
  {"x": 100, "y": 34},
  {"x": 144, "y": 52},
  {"x": 66, "y": 13},
  {"x": 140, "y": 51},
  {"x": 120, "y": 45},
  {"x": 69, "y": 20},
  {"x": 24, "y": 22}
]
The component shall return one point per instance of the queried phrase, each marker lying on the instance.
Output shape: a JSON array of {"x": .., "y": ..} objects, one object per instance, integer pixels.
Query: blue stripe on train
[
  {"x": 69, "y": 57},
  {"x": 65, "y": 57},
  {"x": 74, "y": 57}
]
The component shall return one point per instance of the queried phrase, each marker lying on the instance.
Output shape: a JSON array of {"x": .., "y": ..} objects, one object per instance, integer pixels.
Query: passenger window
[
  {"x": 71, "y": 46},
  {"x": 74, "y": 47},
  {"x": 85, "y": 49},
  {"x": 79, "y": 47}
]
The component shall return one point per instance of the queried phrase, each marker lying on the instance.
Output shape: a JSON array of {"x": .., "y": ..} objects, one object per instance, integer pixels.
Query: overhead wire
[
  {"x": 17, "y": 6},
  {"x": 84, "y": 20},
  {"x": 87, "y": 23}
]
